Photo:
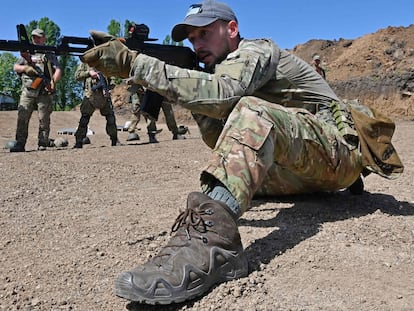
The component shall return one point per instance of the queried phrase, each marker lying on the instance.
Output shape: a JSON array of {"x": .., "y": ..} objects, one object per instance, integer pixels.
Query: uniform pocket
[{"x": 251, "y": 128}]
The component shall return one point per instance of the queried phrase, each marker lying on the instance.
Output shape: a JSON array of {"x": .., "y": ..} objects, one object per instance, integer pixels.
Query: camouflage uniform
[
  {"x": 137, "y": 92},
  {"x": 32, "y": 99},
  {"x": 268, "y": 117},
  {"x": 91, "y": 101},
  {"x": 316, "y": 64},
  {"x": 135, "y": 99}
]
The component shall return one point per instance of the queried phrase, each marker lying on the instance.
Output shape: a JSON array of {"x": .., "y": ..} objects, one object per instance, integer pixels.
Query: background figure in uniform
[
  {"x": 136, "y": 95},
  {"x": 96, "y": 96},
  {"x": 178, "y": 132},
  {"x": 274, "y": 126},
  {"x": 316, "y": 64},
  {"x": 37, "y": 92}
]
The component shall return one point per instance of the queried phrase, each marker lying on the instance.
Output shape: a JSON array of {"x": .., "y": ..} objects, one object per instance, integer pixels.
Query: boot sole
[{"x": 162, "y": 292}]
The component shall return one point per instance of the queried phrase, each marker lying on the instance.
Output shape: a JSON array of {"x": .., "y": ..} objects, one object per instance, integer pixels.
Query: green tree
[
  {"x": 68, "y": 90},
  {"x": 169, "y": 41},
  {"x": 114, "y": 28},
  {"x": 10, "y": 82},
  {"x": 126, "y": 27},
  {"x": 49, "y": 27}
]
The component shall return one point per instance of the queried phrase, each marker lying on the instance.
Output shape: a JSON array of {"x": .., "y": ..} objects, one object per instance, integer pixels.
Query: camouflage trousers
[
  {"x": 87, "y": 109},
  {"x": 266, "y": 149},
  {"x": 27, "y": 104},
  {"x": 151, "y": 123},
  {"x": 136, "y": 117},
  {"x": 169, "y": 117}
]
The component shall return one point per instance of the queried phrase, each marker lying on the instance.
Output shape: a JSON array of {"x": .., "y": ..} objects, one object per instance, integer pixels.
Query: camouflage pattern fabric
[
  {"x": 135, "y": 99},
  {"x": 169, "y": 117},
  {"x": 27, "y": 104},
  {"x": 93, "y": 100},
  {"x": 32, "y": 99},
  {"x": 267, "y": 149},
  {"x": 41, "y": 61},
  {"x": 268, "y": 117}
]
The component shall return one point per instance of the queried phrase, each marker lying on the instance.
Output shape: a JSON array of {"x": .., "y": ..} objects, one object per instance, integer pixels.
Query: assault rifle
[
  {"x": 138, "y": 40},
  {"x": 173, "y": 55},
  {"x": 102, "y": 85}
]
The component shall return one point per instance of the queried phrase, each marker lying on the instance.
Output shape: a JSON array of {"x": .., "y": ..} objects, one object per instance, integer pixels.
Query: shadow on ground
[{"x": 300, "y": 222}]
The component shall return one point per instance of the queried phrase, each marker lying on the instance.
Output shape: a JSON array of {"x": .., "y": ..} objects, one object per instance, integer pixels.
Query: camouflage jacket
[
  {"x": 41, "y": 61},
  {"x": 258, "y": 67},
  {"x": 82, "y": 74}
]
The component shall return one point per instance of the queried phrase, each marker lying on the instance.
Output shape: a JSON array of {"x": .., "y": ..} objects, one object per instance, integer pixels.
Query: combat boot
[
  {"x": 152, "y": 139},
  {"x": 204, "y": 251},
  {"x": 115, "y": 142},
  {"x": 41, "y": 145},
  {"x": 78, "y": 144},
  {"x": 17, "y": 147}
]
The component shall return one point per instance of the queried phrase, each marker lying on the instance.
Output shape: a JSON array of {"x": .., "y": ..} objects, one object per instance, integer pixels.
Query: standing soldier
[
  {"x": 96, "y": 96},
  {"x": 316, "y": 64},
  {"x": 39, "y": 74},
  {"x": 136, "y": 94},
  {"x": 136, "y": 97}
]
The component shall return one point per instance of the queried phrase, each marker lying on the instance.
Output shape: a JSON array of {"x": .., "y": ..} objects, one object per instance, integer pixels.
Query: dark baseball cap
[{"x": 200, "y": 15}]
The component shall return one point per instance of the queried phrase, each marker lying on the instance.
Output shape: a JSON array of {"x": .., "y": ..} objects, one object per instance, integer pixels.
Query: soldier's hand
[
  {"x": 30, "y": 71},
  {"x": 110, "y": 56},
  {"x": 100, "y": 37}
]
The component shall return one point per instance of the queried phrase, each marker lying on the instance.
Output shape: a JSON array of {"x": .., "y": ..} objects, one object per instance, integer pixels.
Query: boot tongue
[
  {"x": 191, "y": 225},
  {"x": 195, "y": 199},
  {"x": 187, "y": 222}
]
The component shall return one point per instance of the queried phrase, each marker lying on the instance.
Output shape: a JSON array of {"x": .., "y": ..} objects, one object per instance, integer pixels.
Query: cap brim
[{"x": 180, "y": 31}]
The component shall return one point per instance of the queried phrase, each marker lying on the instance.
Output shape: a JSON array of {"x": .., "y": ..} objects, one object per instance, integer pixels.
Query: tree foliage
[
  {"x": 114, "y": 28},
  {"x": 49, "y": 27},
  {"x": 10, "y": 82},
  {"x": 126, "y": 27},
  {"x": 169, "y": 41},
  {"x": 68, "y": 90}
]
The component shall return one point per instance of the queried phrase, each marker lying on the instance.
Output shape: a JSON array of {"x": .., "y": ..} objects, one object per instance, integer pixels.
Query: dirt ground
[{"x": 72, "y": 219}]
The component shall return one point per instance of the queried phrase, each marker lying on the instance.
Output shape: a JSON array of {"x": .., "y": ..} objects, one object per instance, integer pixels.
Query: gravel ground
[{"x": 72, "y": 219}]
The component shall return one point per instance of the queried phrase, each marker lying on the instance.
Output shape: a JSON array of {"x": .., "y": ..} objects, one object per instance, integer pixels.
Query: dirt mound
[{"x": 377, "y": 68}]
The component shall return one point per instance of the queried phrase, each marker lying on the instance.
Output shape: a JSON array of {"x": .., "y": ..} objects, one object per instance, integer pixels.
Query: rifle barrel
[{"x": 64, "y": 48}]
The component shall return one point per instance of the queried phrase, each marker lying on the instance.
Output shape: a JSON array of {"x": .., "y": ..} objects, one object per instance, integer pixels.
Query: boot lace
[{"x": 190, "y": 218}]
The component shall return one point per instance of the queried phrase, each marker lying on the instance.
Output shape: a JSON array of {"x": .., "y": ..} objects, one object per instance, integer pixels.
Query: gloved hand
[
  {"x": 100, "y": 37},
  {"x": 112, "y": 58},
  {"x": 30, "y": 71}
]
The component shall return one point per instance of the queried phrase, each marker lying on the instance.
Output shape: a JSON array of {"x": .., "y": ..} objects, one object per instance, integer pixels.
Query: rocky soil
[{"x": 71, "y": 220}]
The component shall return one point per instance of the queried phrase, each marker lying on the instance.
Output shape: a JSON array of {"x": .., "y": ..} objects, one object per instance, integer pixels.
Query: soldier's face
[
  {"x": 211, "y": 43},
  {"x": 38, "y": 40}
]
